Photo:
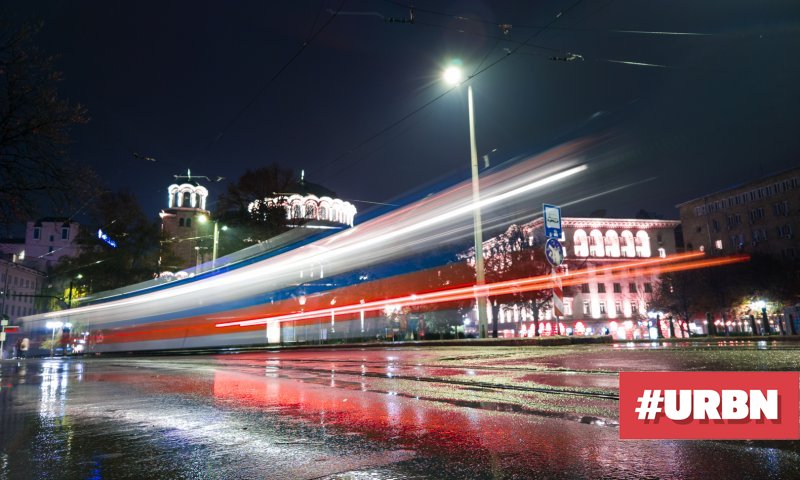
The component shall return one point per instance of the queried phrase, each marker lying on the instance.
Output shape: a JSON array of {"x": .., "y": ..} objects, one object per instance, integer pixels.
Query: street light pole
[
  {"x": 453, "y": 76},
  {"x": 216, "y": 242},
  {"x": 480, "y": 280}
]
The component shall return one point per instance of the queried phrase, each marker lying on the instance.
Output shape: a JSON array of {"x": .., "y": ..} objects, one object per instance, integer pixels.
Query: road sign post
[{"x": 554, "y": 253}]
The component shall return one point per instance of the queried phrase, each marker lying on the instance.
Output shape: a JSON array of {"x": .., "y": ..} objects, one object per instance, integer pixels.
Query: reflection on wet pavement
[{"x": 377, "y": 413}]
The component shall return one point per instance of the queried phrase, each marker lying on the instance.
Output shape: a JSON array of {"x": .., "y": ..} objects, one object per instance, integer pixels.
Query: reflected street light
[{"x": 453, "y": 76}]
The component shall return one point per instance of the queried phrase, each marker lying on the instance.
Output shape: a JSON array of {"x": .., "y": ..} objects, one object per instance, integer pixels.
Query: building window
[
  {"x": 715, "y": 225},
  {"x": 617, "y": 288},
  {"x": 586, "y": 307},
  {"x": 180, "y": 222},
  {"x": 781, "y": 209},
  {"x": 648, "y": 288},
  {"x": 188, "y": 222},
  {"x": 602, "y": 308},
  {"x": 718, "y": 244},
  {"x": 37, "y": 233},
  {"x": 756, "y": 214},
  {"x": 64, "y": 233},
  {"x": 618, "y": 308},
  {"x": 734, "y": 220},
  {"x": 759, "y": 235},
  {"x": 585, "y": 288},
  {"x": 601, "y": 288},
  {"x": 662, "y": 252},
  {"x": 567, "y": 307},
  {"x": 632, "y": 288}
]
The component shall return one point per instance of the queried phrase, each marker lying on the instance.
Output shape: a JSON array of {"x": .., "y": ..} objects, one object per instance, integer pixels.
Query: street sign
[
  {"x": 2, "y": 336},
  {"x": 3, "y": 323},
  {"x": 553, "y": 252},
  {"x": 552, "y": 221}
]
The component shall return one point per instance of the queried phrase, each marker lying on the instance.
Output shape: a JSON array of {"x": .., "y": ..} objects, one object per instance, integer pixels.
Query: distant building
[
  {"x": 760, "y": 216},
  {"x": 181, "y": 225},
  {"x": 618, "y": 305},
  {"x": 47, "y": 241},
  {"x": 311, "y": 202},
  {"x": 19, "y": 285}
]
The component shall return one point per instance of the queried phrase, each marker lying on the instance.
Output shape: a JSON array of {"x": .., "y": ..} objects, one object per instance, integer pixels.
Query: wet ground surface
[{"x": 449, "y": 412}]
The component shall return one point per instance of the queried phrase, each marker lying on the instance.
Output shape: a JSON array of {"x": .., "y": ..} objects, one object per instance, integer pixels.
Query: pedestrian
[
  {"x": 23, "y": 347},
  {"x": 18, "y": 348}
]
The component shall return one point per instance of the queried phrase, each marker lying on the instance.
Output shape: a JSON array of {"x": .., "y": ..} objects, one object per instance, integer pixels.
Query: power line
[
  {"x": 438, "y": 97},
  {"x": 275, "y": 76}
]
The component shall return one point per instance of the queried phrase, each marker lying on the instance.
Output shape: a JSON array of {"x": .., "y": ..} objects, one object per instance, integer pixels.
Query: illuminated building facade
[
  {"x": 46, "y": 242},
  {"x": 181, "y": 229},
  {"x": 603, "y": 304},
  {"x": 310, "y": 202},
  {"x": 18, "y": 285}
]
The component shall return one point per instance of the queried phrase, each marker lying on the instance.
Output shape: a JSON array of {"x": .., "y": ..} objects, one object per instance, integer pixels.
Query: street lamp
[
  {"x": 762, "y": 305},
  {"x": 77, "y": 277},
  {"x": 453, "y": 76},
  {"x": 217, "y": 228}
]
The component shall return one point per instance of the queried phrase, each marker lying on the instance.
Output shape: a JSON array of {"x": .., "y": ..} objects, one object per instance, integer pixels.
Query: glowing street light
[
  {"x": 217, "y": 228},
  {"x": 453, "y": 76}
]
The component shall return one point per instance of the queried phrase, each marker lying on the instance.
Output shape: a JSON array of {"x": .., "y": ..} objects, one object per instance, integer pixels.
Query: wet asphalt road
[{"x": 451, "y": 412}]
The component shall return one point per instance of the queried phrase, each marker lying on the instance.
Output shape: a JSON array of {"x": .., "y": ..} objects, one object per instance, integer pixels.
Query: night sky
[{"x": 197, "y": 85}]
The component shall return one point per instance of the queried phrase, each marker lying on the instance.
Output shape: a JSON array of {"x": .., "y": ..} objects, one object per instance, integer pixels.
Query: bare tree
[{"x": 34, "y": 130}]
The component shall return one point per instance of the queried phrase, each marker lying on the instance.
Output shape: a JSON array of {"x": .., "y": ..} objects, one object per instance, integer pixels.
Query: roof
[
  {"x": 765, "y": 179},
  {"x": 309, "y": 188}
]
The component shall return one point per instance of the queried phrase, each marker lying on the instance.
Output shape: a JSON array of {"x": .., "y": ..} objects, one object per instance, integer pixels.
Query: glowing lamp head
[
  {"x": 202, "y": 218},
  {"x": 759, "y": 305},
  {"x": 452, "y": 75}
]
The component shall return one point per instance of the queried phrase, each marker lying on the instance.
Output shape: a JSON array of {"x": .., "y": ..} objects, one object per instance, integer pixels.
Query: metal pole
[
  {"x": 69, "y": 305},
  {"x": 483, "y": 324},
  {"x": 216, "y": 241}
]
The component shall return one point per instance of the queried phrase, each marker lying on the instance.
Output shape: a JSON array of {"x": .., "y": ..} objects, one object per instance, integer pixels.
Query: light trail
[{"x": 542, "y": 282}]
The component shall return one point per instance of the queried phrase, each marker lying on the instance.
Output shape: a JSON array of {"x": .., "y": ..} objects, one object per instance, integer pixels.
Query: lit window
[
  {"x": 586, "y": 308},
  {"x": 718, "y": 244},
  {"x": 662, "y": 252}
]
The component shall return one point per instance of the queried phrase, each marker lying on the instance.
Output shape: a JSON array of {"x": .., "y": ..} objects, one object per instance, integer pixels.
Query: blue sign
[
  {"x": 104, "y": 237},
  {"x": 553, "y": 252},
  {"x": 552, "y": 221}
]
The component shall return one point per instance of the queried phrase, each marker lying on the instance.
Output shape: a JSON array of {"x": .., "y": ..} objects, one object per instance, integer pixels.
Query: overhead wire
[
  {"x": 480, "y": 71},
  {"x": 276, "y": 75}
]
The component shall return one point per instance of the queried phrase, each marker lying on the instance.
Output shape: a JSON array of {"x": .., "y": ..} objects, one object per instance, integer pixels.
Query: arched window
[
  {"x": 581, "y": 243},
  {"x": 642, "y": 244},
  {"x": 188, "y": 222},
  {"x": 187, "y": 199},
  {"x": 297, "y": 211},
  {"x": 311, "y": 210},
  {"x": 612, "y": 244},
  {"x": 596, "y": 244},
  {"x": 628, "y": 246},
  {"x": 323, "y": 213},
  {"x": 180, "y": 222}
]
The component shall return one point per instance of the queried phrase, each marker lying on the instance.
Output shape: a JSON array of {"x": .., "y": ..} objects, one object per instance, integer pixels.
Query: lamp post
[
  {"x": 78, "y": 277},
  {"x": 217, "y": 228},
  {"x": 454, "y": 76}
]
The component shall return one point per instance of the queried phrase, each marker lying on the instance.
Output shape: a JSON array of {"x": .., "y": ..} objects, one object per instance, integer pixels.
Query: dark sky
[{"x": 165, "y": 78}]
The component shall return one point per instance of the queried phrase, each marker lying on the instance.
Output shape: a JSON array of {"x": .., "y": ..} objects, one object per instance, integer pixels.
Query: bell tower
[{"x": 180, "y": 228}]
